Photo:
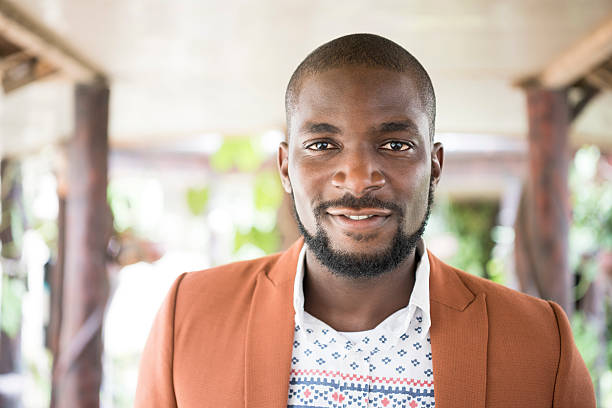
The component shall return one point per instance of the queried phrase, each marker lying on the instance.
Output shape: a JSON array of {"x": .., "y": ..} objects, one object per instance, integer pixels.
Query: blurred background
[{"x": 138, "y": 141}]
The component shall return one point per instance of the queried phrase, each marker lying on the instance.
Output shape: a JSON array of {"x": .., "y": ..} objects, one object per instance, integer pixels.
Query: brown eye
[
  {"x": 395, "y": 146},
  {"x": 319, "y": 146}
]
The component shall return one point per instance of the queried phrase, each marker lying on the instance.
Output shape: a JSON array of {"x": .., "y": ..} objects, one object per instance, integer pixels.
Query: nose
[{"x": 358, "y": 174}]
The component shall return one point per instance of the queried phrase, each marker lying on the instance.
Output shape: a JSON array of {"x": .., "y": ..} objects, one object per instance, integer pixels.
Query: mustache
[{"x": 349, "y": 200}]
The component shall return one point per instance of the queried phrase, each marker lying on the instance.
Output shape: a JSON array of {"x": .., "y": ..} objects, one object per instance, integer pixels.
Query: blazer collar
[
  {"x": 459, "y": 333},
  {"x": 446, "y": 287},
  {"x": 269, "y": 336},
  {"x": 286, "y": 265}
]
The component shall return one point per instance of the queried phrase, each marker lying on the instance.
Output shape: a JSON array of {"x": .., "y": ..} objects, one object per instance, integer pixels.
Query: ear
[
  {"x": 437, "y": 161},
  {"x": 283, "y": 166}
]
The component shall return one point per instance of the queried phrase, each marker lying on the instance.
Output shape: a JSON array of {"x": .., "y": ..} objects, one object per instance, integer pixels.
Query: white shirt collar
[{"x": 419, "y": 298}]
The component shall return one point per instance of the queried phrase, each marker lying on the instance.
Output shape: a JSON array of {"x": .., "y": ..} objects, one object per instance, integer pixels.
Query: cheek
[
  {"x": 303, "y": 194},
  {"x": 415, "y": 193},
  {"x": 309, "y": 179}
]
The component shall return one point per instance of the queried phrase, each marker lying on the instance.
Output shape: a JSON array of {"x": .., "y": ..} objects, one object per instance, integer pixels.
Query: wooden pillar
[
  {"x": 547, "y": 196},
  {"x": 13, "y": 281},
  {"x": 78, "y": 372},
  {"x": 56, "y": 283}
]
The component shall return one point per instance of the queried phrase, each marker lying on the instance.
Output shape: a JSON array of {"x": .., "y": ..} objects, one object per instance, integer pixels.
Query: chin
[
  {"x": 360, "y": 261},
  {"x": 361, "y": 246}
]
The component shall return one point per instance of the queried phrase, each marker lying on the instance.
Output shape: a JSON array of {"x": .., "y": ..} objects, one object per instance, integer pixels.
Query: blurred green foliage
[
  {"x": 268, "y": 191},
  {"x": 123, "y": 202},
  {"x": 587, "y": 342},
  {"x": 268, "y": 241},
  {"x": 13, "y": 212},
  {"x": 590, "y": 233},
  {"x": 242, "y": 154},
  {"x": 136, "y": 204},
  {"x": 591, "y": 198},
  {"x": 13, "y": 275},
  {"x": 197, "y": 199},
  {"x": 13, "y": 290},
  {"x": 15, "y": 221},
  {"x": 472, "y": 222},
  {"x": 237, "y": 153},
  {"x": 267, "y": 198},
  {"x": 591, "y": 226}
]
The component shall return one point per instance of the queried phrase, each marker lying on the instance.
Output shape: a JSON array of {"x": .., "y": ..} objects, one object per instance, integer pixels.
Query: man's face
[{"x": 360, "y": 165}]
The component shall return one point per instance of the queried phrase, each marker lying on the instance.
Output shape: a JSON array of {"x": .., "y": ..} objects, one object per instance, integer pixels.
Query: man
[{"x": 358, "y": 313}]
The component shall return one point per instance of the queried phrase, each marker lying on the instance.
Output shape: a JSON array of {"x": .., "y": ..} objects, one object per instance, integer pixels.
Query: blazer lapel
[
  {"x": 270, "y": 334},
  {"x": 459, "y": 334}
]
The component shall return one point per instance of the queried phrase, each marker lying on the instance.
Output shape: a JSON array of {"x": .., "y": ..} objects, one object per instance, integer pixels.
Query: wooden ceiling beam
[
  {"x": 587, "y": 92},
  {"x": 23, "y": 70},
  {"x": 604, "y": 77},
  {"x": 577, "y": 62},
  {"x": 24, "y": 31}
]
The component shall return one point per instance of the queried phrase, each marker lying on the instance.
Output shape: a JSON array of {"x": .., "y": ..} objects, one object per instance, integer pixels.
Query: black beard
[{"x": 361, "y": 266}]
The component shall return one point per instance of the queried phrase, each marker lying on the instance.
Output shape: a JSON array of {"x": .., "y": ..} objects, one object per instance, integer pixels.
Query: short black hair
[{"x": 368, "y": 50}]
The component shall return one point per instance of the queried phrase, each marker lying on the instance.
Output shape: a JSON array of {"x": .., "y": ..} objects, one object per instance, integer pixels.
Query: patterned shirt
[{"x": 388, "y": 366}]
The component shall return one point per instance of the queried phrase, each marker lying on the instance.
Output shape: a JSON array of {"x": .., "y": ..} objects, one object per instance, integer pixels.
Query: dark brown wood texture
[
  {"x": 78, "y": 372},
  {"x": 543, "y": 236}
]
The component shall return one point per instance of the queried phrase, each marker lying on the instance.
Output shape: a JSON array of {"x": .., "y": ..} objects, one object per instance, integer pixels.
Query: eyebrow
[
  {"x": 386, "y": 127},
  {"x": 404, "y": 125},
  {"x": 315, "y": 128}
]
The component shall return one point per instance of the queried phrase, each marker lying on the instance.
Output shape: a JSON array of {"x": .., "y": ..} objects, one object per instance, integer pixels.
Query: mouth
[{"x": 359, "y": 219}]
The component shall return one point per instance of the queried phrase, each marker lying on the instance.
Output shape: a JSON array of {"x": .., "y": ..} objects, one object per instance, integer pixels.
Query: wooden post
[
  {"x": 56, "y": 283},
  {"x": 78, "y": 372},
  {"x": 10, "y": 255},
  {"x": 547, "y": 206}
]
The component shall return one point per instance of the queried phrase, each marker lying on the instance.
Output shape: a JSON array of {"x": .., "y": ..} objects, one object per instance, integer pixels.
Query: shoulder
[
  {"x": 224, "y": 283},
  {"x": 235, "y": 273},
  {"x": 229, "y": 288},
  {"x": 529, "y": 340},
  {"x": 522, "y": 333},
  {"x": 503, "y": 296},
  {"x": 505, "y": 306}
]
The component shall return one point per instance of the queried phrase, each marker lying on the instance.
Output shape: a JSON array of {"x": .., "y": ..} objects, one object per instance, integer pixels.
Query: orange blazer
[{"x": 223, "y": 338}]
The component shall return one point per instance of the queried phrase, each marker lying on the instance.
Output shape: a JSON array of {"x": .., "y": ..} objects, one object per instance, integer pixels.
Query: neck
[{"x": 356, "y": 304}]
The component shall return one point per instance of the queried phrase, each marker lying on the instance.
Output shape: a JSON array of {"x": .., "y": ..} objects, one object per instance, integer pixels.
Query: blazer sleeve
[
  {"x": 155, "y": 384},
  {"x": 573, "y": 385}
]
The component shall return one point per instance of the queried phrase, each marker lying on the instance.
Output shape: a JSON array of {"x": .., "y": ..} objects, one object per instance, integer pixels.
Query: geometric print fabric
[
  {"x": 388, "y": 366},
  {"x": 329, "y": 370}
]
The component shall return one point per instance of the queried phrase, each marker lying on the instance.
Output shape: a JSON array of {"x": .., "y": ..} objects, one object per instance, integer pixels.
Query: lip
[
  {"x": 341, "y": 211},
  {"x": 379, "y": 217}
]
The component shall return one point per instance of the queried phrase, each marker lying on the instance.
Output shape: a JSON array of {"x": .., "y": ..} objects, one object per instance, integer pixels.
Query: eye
[
  {"x": 396, "y": 146},
  {"x": 320, "y": 146}
]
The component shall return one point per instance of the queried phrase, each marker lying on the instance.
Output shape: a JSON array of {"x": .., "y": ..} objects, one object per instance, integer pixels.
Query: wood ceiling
[{"x": 179, "y": 70}]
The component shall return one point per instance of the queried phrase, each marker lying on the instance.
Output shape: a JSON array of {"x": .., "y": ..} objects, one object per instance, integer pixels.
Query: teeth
[{"x": 358, "y": 217}]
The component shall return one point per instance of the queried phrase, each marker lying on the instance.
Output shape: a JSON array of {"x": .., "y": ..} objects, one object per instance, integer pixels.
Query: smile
[
  {"x": 361, "y": 213},
  {"x": 359, "y": 219}
]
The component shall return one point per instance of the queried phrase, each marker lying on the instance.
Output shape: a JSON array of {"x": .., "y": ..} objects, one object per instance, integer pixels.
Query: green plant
[
  {"x": 587, "y": 342},
  {"x": 10, "y": 315},
  {"x": 471, "y": 222},
  {"x": 590, "y": 234},
  {"x": 197, "y": 199},
  {"x": 591, "y": 198},
  {"x": 239, "y": 153},
  {"x": 591, "y": 227}
]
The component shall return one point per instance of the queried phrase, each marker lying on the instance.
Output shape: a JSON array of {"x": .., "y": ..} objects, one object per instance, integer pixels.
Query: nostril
[
  {"x": 358, "y": 182},
  {"x": 338, "y": 179},
  {"x": 378, "y": 178}
]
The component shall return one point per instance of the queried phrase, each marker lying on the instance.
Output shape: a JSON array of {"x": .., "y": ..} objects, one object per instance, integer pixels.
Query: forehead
[{"x": 368, "y": 93}]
